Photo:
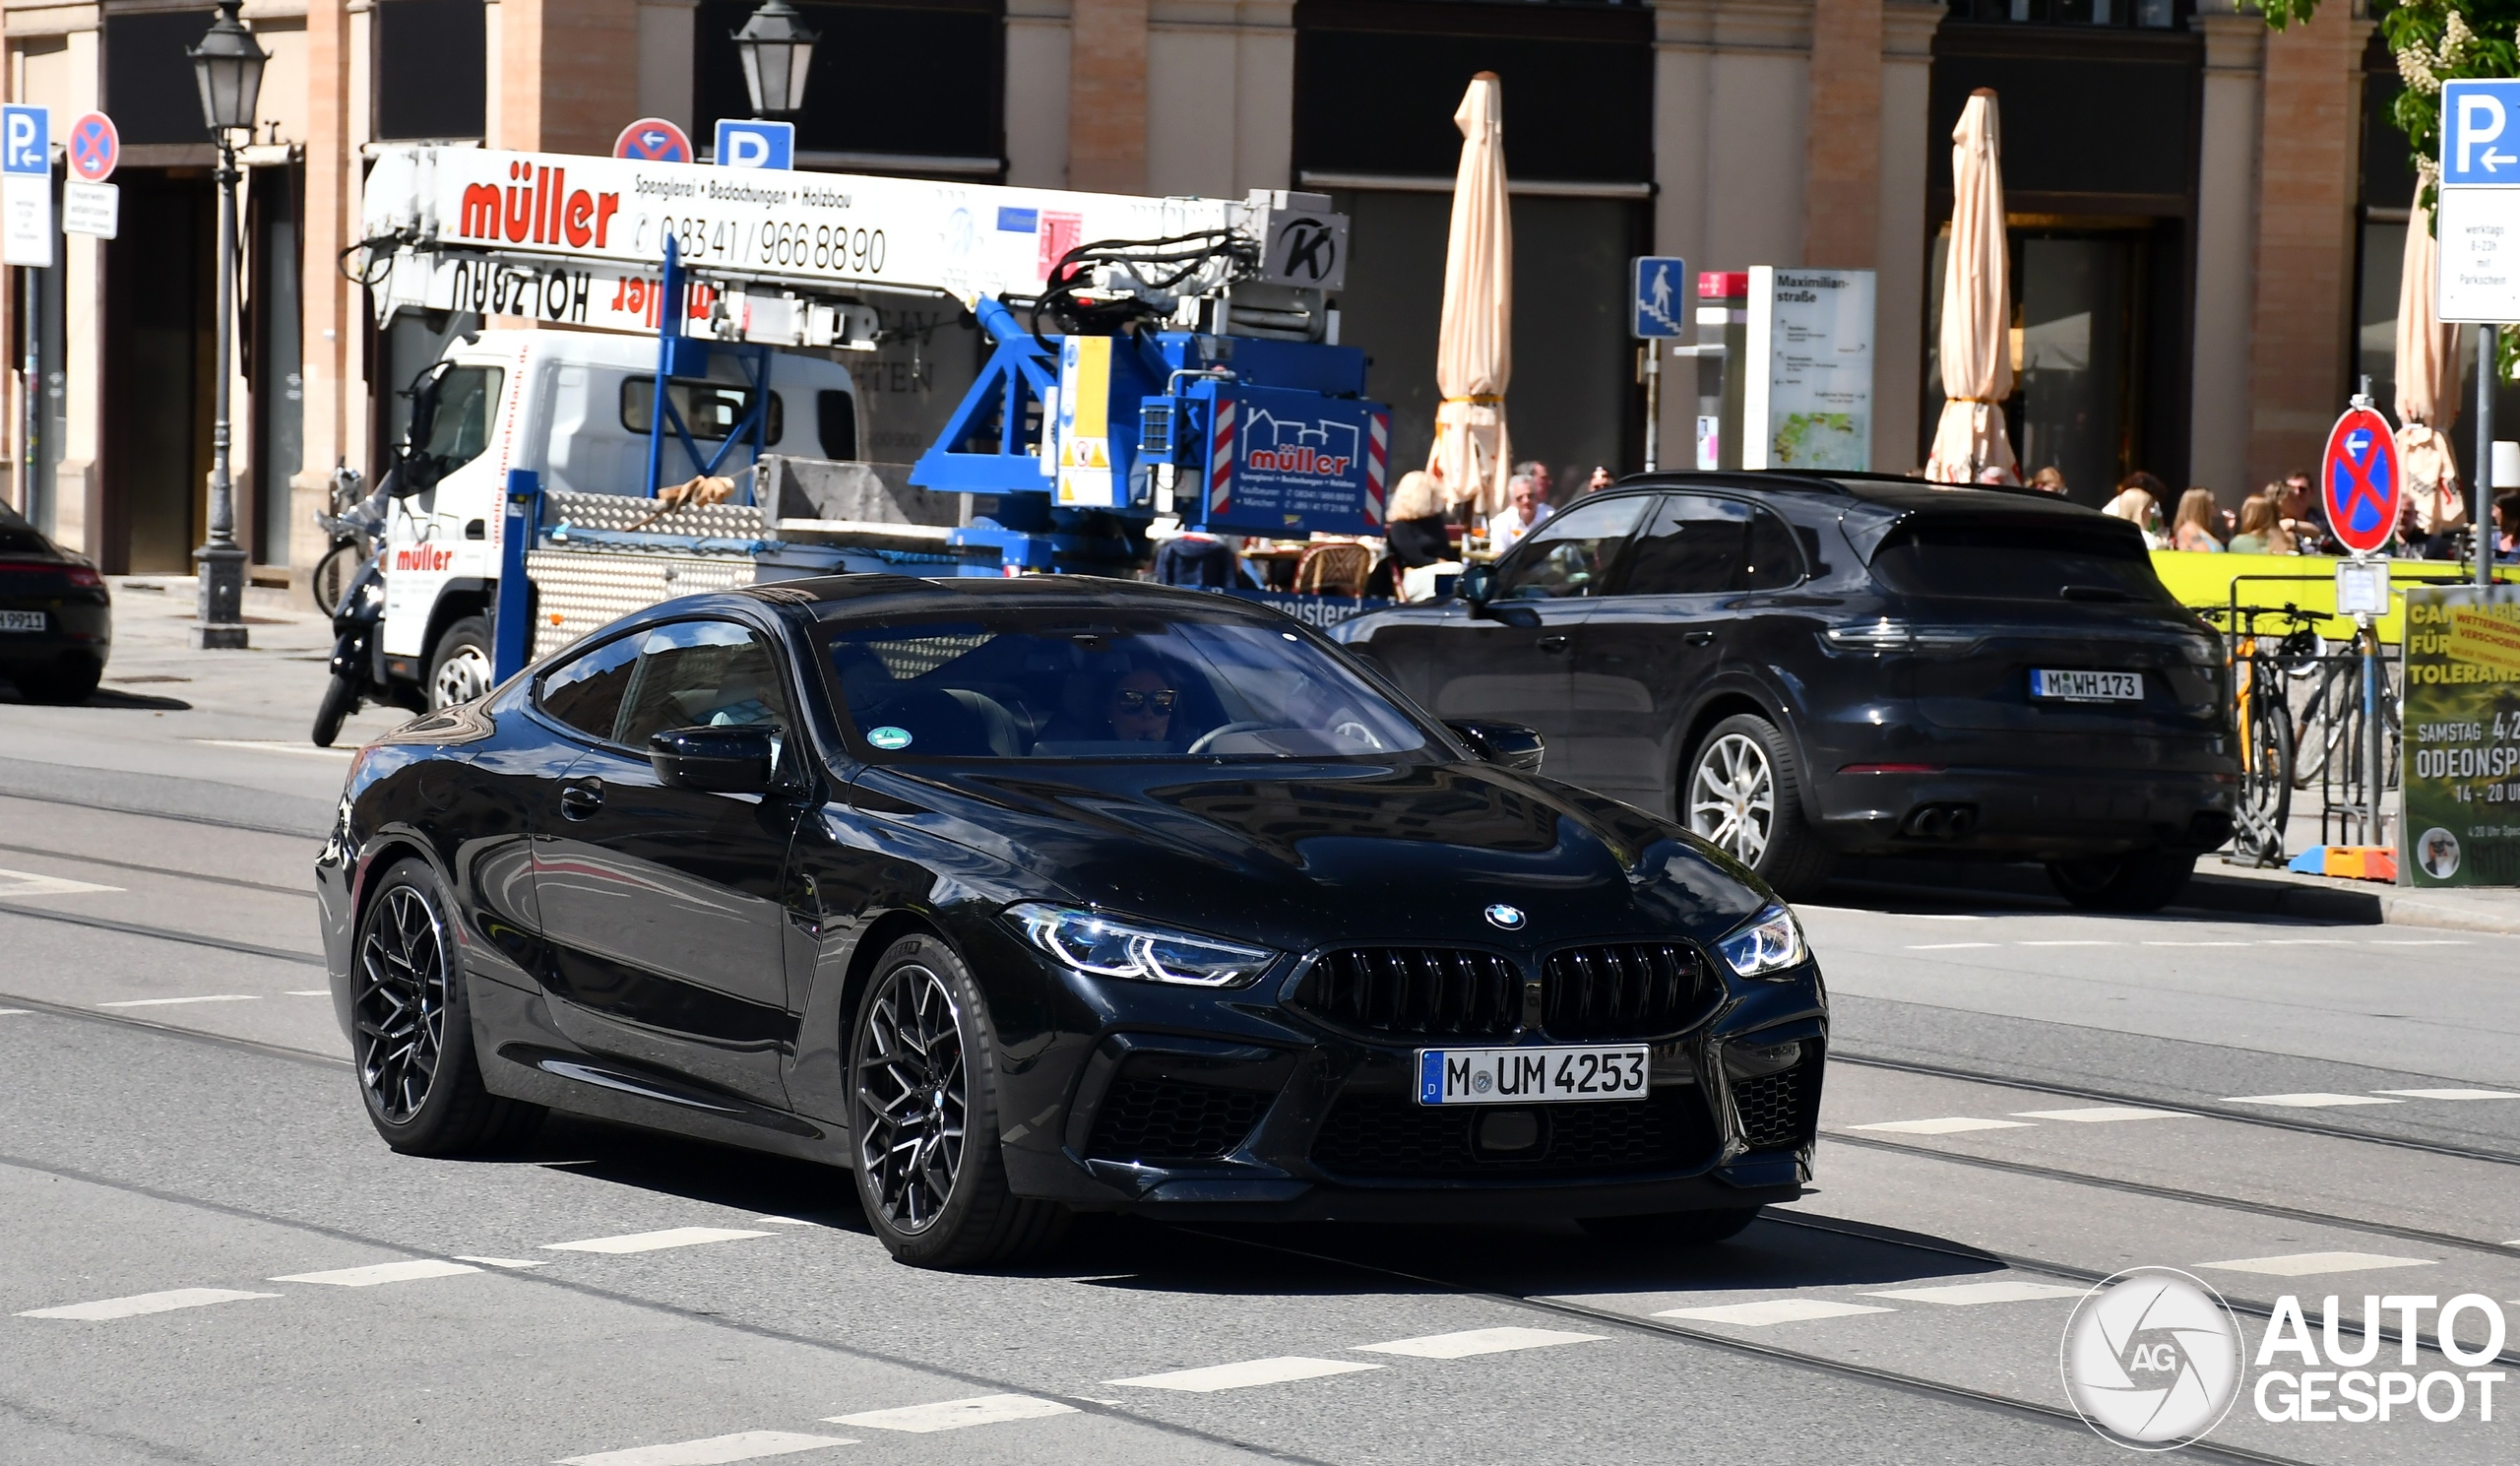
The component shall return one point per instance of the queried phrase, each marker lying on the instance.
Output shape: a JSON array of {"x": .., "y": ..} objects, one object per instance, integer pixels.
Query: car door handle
[
  {"x": 581, "y": 801},
  {"x": 1698, "y": 638},
  {"x": 1553, "y": 643}
]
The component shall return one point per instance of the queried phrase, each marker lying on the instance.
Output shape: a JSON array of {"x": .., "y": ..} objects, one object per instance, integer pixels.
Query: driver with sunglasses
[{"x": 1140, "y": 707}]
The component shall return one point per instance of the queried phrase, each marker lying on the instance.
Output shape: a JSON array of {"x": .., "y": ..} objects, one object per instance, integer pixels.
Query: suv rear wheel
[
  {"x": 1742, "y": 793},
  {"x": 2145, "y": 880}
]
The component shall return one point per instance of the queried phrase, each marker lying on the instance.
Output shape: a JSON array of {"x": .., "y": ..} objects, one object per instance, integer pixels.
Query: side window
[
  {"x": 1692, "y": 547},
  {"x": 693, "y": 673},
  {"x": 835, "y": 424},
  {"x": 1772, "y": 561},
  {"x": 708, "y": 409},
  {"x": 468, "y": 402},
  {"x": 1573, "y": 553},
  {"x": 584, "y": 692}
]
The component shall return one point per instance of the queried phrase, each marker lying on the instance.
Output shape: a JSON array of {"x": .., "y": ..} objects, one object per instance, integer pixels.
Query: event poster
[
  {"x": 1807, "y": 397},
  {"x": 2461, "y": 721}
]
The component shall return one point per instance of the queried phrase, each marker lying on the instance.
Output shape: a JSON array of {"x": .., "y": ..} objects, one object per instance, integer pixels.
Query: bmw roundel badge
[{"x": 1509, "y": 918}]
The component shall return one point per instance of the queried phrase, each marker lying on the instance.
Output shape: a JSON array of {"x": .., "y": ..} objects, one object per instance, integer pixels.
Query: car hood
[{"x": 1298, "y": 855}]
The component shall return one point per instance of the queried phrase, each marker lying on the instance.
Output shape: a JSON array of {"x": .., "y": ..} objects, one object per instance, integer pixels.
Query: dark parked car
[
  {"x": 56, "y": 617},
  {"x": 1026, "y": 897},
  {"x": 1798, "y": 667}
]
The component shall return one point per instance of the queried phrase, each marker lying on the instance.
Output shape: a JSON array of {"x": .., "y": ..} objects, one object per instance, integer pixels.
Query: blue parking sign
[
  {"x": 26, "y": 140},
  {"x": 751, "y": 143},
  {"x": 2480, "y": 133},
  {"x": 1659, "y": 295}
]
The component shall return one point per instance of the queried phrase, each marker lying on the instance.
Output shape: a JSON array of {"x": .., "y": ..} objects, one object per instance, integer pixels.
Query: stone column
[
  {"x": 2219, "y": 430},
  {"x": 1901, "y": 255},
  {"x": 1037, "y": 93},
  {"x": 1219, "y": 95},
  {"x": 1107, "y": 95},
  {"x": 665, "y": 42},
  {"x": 335, "y": 402},
  {"x": 1842, "y": 152},
  {"x": 565, "y": 73}
]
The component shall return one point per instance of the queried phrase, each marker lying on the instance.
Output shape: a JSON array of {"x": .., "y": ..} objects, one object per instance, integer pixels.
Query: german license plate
[
  {"x": 1523, "y": 1076},
  {"x": 2086, "y": 686},
  {"x": 20, "y": 620}
]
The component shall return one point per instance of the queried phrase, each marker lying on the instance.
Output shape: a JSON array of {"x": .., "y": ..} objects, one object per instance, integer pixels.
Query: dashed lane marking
[
  {"x": 411, "y": 1271},
  {"x": 501, "y": 1261},
  {"x": 270, "y": 746},
  {"x": 18, "y": 884},
  {"x": 785, "y": 1222},
  {"x": 1949, "y": 1125},
  {"x": 2310, "y": 1101},
  {"x": 2451, "y": 1093},
  {"x": 954, "y": 1415},
  {"x": 145, "y": 1303},
  {"x": 169, "y": 1002},
  {"x": 1773, "y": 1311},
  {"x": 1476, "y": 1341},
  {"x": 2102, "y": 1114},
  {"x": 2305, "y": 942},
  {"x": 2075, "y": 943},
  {"x": 655, "y": 1242},
  {"x": 1967, "y": 1295},
  {"x": 308, "y": 993},
  {"x": 2392, "y": 942},
  {"x": 2310, "y": 1264},
  {"x": 2196, "y": 944},
  {"x": 15, "y": 1012},
  {"x": 744, "y": 1445},
  {"x": 1280, "y": 1370},
  {"x": 1952, "y": 946}
]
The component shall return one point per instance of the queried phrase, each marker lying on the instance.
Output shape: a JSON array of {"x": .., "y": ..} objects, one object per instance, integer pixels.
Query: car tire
[
  {"x": 341, "y": 699},
  {"x": 1679, "y": 1228},
  {"x": 460, "y": 668},
  {"x": 2145, "y": 880},
  {"x": 71, "y": 680},
  {"x": 411, "y": 1027},
  {"x": 1743, "y": 771},
  {"x": 923, "y": 1085}
]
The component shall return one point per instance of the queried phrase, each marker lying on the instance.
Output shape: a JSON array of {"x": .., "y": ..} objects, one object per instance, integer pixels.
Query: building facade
[{"x": 2205, "y": 217}]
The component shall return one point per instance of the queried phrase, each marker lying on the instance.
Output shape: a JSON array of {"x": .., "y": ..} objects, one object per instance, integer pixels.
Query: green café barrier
[{"x": 2461, "y": 718}]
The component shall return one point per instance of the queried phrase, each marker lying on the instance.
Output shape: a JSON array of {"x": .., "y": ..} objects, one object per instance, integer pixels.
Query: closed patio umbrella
[
  {"x": 2428, "y": 384},
  {"x": 1977, "y": 307},
  {"x": 1475, "y": 355}
]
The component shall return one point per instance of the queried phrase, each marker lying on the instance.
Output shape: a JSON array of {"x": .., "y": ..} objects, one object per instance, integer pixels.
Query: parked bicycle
[
  {"x": 355, "y": 521},
  {"x": 2262, "y": 712}
]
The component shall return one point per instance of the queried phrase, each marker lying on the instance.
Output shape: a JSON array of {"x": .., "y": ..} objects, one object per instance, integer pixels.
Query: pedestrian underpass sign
[
  {"x": 1659, "y": 295},
  {"x": 2478, "y": 223}
]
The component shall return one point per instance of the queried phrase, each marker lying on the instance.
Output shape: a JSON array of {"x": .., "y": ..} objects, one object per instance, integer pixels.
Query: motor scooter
[{"x": 358, "y": 617}]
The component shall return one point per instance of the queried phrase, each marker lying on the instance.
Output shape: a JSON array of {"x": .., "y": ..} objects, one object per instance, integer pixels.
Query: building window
[
  {"x": 2140, "y": 14},
  {"x": 148, "y": 79},
  {"x": 432, "y": 60},
  {"x": 890, "y": 83}
]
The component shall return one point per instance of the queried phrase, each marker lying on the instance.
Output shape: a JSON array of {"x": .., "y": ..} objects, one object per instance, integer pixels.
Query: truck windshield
[
  {"x": 467, "y": 401},
  {"x": 1060, "y": 685}
]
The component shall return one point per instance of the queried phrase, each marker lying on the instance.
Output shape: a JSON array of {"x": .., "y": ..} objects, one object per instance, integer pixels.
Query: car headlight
[
  {"x": 1768, "y": 945},
  {"x": 1109, "y": 947}
]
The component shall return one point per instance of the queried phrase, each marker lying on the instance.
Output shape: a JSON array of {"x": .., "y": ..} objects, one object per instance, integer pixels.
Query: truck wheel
[
  {"x": 341, "y": 699},
  {"x": 459, "y": 669},
  {"x": 2146, "y": 880},
  {"x": 1742, "y": 793}
]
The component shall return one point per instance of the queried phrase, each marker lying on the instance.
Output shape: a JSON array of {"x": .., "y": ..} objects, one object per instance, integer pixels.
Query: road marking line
[
  {"x": 501, "y": 1261},
  {"x": 2196, "y": 944},
  {"x": 2308, "y": 1264},
  {"x": 308, "y": 993},
  {"x": 1476, "y": 1341},
  {"x": 1951, "y": 946},
  {"x": 145, "y": 1303},
  {"x": 2451, "y": 1093},
  {"x": 2102, "y": 1114},
  {"x": 15, "y": 1012},
  {"x": 169, "y": 1002},
  {"x": 1928, "y": 916},
  {"x": 2390, "y": 942},
  {"x": 370, "y": 1276},
  {"x": 268, "y": 745},
  {"x": 14, "y": 884},
  {"x": 2311, "y": 1100},
  {"x": 1774, "y": 1311},
  {"x": 2074, "y": 943},
  {"x": 954, "y": 1415},
  {"x": 788, "y": 1221},
  {"x": 744, "y": 1445},
  {"x": 1951, "y": 1124},
  {"x": 1968, "y": 1295},
  {"x": 652, "y": 1241},
  {"x": 1283, "y": 1369},
  {"x": 2303, "y": 941}
]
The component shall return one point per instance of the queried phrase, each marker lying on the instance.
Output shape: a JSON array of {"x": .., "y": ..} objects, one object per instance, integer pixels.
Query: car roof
[
  {"x": 835, "y": 597},
  {"x": 1890, "y": 492}
]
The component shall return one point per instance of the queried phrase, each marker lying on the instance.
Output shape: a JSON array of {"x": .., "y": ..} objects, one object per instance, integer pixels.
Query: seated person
[
  {"x": 1101, "y": 711},
  {"x": 1140, "y": 707}
]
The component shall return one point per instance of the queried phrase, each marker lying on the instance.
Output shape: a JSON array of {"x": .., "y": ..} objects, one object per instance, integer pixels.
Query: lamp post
[
  {"x": 775, "y": 49},
  {"x": 229, "y": 69}
]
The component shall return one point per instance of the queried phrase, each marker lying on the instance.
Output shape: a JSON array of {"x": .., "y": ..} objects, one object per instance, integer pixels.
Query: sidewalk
[{"x": 2225, "y": 889}]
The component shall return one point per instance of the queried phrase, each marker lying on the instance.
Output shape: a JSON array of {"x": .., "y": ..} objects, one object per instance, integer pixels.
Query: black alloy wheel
[
  {"x": 924, "y": 1111},
  {"x": 410, "y": 1027}
]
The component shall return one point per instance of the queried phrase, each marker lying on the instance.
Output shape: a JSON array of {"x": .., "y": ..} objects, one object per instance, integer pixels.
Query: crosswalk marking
[
  {"x": 169, "y": 1002},
  {"x": 715, "y": 1450},
  {"x": 145, "y": 1303},
  {"x": 2451, "y": 1093},
  {"x": 2084, "y": 943},
  {"x": 1476, "y": 1341},
  {"x": 308, "y": 993},
  {"x": 2196, "y": 944},
  {"x": 1966, "y": 1295},
  {"x": 501, "y": 1261},
  {"x": 1280, "y": 1370},
  {"x": 954, "y": 1415},
  {"x": 1774, "y": 1311},
  {"x": 2102, "y": 1114},
  {"x": 1951, "y": 1124},
  {"x": 15, "y": 1012},
  {"x": 652, "y": 1241},
  {"x": 17, "y": 884},
  {"x": 1951, "y": 946},
  {"x": 382, "y": 1272},
  {"x": 2310, "y": 1264},
  {"x": 2313, "y": 1100}
]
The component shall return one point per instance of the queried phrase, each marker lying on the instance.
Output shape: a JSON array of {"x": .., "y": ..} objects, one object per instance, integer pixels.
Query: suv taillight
[{"x": 77, "y": 577}]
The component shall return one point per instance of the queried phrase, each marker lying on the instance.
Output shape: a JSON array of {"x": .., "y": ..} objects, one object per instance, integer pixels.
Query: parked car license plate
[
  {"x": 20, "y": 620},
  {"x": 2086, "y": 686},
  {"x": 1520, "y": 1077}
]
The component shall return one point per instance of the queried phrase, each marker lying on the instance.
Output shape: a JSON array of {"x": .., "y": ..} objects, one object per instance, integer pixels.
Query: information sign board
[
  {"x": 1807, "y": 380},
  {"x": 2461, "y": 718}
]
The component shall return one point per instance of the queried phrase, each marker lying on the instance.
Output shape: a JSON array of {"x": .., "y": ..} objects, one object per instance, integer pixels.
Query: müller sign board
[
  {"x": 2479, "y": 219},
  {"x": 1807, "y": 383}
]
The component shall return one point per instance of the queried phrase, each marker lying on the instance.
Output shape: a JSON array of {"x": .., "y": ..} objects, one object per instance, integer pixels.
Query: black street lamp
[
  {"x": 229, "y": 68},
  {"x": 775, "y": 49}
]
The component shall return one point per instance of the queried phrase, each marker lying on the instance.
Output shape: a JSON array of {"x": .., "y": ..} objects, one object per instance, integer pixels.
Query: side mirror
[
  {"x": 1477, "y": 585},
  {"x": 399, "y": 484},
  {"x": 1508, "y": 743},
  {"x": 718, "y": 760}
]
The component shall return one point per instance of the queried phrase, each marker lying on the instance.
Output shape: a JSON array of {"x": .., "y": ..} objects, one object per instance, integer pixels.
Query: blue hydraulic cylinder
[{"x": 512, "y": 616}]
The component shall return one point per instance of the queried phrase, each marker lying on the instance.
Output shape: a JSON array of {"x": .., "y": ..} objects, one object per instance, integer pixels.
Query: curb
[{"x": 2215, "y": 888}]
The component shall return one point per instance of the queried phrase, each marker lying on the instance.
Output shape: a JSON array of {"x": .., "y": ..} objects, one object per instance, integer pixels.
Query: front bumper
[{"x": 2002, "y": 813}]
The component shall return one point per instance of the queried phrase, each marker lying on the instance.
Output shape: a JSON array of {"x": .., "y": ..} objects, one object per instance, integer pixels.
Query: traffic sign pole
[{"x": 2481, "y": 520}]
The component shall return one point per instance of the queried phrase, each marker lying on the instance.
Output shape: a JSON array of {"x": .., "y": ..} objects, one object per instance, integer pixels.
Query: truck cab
[{"x": 573, "y": 406}]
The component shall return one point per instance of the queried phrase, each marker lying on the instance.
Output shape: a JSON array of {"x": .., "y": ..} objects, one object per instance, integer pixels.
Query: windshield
[
  {"x": 2018, "y": 562},
  {"x": 1065, "y": 684}
]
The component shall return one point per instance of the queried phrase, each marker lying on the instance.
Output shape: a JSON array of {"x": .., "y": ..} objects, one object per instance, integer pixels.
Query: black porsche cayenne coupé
[{"x": 1023, "y": 898}]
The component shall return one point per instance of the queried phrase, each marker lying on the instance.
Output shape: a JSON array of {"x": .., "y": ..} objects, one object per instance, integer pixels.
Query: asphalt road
[{"x": 207, "y": 1255}]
